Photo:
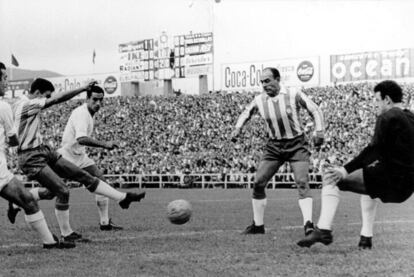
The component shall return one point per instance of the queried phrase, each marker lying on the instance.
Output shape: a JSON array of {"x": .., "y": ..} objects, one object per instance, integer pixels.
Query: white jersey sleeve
[{"x": 6, "y": 119}]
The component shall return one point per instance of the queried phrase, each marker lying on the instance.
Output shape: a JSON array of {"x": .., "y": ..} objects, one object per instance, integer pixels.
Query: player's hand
[
  {"x": 111, "y": 145},
  {"x": 318, "y": 139},
  {"x": 333, "y": 175},
  {"x": 235, "y": 134},
  {"x": 90, "y": 85}
]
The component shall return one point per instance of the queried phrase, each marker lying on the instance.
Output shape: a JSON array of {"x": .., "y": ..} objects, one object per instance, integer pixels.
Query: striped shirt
[
  {"x": 281, "y": 113},
  {"x": 27, "y": 122}
]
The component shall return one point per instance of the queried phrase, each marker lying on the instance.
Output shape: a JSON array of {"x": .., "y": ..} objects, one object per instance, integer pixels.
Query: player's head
[
  {"x": 387, "y": 94},
  {"x": 94, "y": 98},
  {"x": 3, "y": 79},
  {"x": 41, "y": 88},
  {"x": 270, "y": 80}
]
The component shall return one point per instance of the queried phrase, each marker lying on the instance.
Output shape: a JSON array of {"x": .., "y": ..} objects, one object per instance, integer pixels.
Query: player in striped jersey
[
  {"x": 39, "y": 162},
  {"x": 10, "y": 187},
  {"x": 280, "y": 108}
]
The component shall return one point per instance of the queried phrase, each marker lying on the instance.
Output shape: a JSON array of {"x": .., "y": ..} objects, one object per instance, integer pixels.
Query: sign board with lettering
[
  {"x": 109, "y": 82},
  {"x": 193, "y": 55},
  {"x": 295, "y": 72},
  {"x": 136, "y": 60},
  {"x": 373, "y": 65}
]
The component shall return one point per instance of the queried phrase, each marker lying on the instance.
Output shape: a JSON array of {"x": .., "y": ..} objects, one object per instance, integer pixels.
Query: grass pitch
[{"x": 211, "y": 244}]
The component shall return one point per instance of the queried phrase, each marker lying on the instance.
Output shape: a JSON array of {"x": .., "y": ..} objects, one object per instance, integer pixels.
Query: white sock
[
  {"x": 306, "y": 205},
  {"x": 106, "y": 190},
  {"x": 15, "y": 206},
  {"x": 259, "y": 206},
  {"x": 330, "y": 201},
  {"x": 63, "y": 221},
  {"x": 103, "y": 205},
  {"x": 368, "y": 210},
  {"x": 38, "y": 222},
  {"x": 35, "y": 193}
]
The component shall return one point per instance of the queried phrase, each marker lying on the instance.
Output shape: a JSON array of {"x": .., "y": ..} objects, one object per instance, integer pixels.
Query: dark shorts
[
  {"x": 32, "y": 161},
  {"x": 389, "y": 187},
  {"x": 287, "y": 150}
]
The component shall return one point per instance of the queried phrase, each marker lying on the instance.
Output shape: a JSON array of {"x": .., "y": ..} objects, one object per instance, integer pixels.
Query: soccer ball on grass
[{"x": 179, "y": 211}]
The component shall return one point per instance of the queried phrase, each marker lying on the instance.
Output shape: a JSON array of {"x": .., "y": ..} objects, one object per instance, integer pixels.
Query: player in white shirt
[
  {"x": 77, "y": 135},
  {"x": 11, "y": 188},
  {"x": 45, "y": 165}
]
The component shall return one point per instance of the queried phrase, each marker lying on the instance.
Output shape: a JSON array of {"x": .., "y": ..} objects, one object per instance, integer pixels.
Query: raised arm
[{"x": 64, "y": 96}]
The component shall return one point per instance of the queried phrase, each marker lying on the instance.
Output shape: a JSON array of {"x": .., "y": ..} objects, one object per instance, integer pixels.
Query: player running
[
  {"x": 77, "y": 135},
  {"x": 39, "y": 162},
  {"x": 11, "y": 188}
]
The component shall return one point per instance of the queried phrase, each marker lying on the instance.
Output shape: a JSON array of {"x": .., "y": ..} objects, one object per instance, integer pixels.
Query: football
[{"x": 179, "y": 211}]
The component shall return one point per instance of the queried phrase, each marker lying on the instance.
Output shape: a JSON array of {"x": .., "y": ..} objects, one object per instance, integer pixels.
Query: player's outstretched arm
[
  {"x": 90, "y": 142},
  {"x": 243, "y": 118},
  {"x": 64, "y": 96}
]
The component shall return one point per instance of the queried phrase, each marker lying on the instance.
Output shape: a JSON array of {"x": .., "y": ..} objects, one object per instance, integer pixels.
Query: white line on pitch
[{"x": 355, "y": 223}]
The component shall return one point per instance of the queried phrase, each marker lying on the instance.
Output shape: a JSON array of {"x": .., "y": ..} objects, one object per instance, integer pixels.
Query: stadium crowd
[{"x": 182, "y": 134}]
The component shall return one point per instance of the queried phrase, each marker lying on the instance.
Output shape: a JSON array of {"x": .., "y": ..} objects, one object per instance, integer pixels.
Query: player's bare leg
[
  {"x": 301, "y": 174},
  {"x": 56, "y": 186},
  {"x": 37, "y": 193},
  {"x": 70, "y": 171},
  {"x": 264, "y": 173},
  {"x": 102, "y": 203},
  {"x": 15, "y": 193}
]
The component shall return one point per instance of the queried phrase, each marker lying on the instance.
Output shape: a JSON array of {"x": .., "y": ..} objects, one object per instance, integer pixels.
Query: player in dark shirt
[{"x": 384, "y": 169}]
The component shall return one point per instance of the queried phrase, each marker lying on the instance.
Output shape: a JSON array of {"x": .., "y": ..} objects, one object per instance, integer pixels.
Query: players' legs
[
  {"x": 329, "y": 203},
  {"x": 68, "y": 170},
  {"x": 368, "y": 212},
  {"x": 301, "y": 174},
  {"x": 101, "y": 201},
  {"x": 354, "y": 182},
  {"x": 49, "y": 179},
  {"x": 14, "y": 192},
  {"x": 265, "y": 172},
  {"x": 40, "y": 193}
]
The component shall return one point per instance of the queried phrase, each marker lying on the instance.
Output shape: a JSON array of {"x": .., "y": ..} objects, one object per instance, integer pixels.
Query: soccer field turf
[{"x": 211, "y": 244}]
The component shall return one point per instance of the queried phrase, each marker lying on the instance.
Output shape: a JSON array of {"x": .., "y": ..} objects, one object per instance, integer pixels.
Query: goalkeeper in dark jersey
[{"x": 384, "y": 170}]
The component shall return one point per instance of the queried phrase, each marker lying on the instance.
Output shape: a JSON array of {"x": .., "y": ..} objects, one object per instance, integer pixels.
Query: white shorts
[
  {"x": 80, "y": 161},
  {"x": 5, "y": 175}
]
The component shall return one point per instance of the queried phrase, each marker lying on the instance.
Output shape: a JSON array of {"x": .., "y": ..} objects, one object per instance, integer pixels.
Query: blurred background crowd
[{"x": 191, "y": 134}]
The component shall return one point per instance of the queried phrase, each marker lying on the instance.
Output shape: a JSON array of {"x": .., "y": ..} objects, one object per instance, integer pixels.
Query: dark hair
[
  {"x": 274, "y": 71},
  {"x": 2, "y": 66},
  {"x": 94, "y": 88},
  {"x": 390, "y": 88},
  {"x": 41, "y": 85}
]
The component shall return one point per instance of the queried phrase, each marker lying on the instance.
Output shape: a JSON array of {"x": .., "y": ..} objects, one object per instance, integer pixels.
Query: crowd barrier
[{"x": 202, "y": 181}]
